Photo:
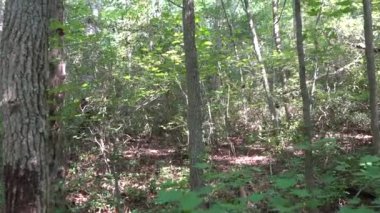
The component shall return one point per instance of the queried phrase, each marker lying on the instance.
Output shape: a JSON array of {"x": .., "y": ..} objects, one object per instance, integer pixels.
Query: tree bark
[
  {"x": 257, "y": 53},
  {"x": 371, "y": 73},
  {"x": 194, "y": 112},
  {"x": 276, "y": 25},
  {"x": 1, "y": 15},
  {"x": 306, "y": 103},
  {"x": 24, "y": 81}
]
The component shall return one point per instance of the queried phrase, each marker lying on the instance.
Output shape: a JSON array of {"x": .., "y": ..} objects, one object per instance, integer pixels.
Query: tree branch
[
  {"x": 175, "y": 4},
  {"x": 362, "y": 46},
  {"x": 282, "y": 11}
]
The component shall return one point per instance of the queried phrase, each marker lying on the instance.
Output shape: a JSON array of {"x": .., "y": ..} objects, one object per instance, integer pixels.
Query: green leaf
[
  {"x": 207, "y": 43},
  {"x": 85, "y": 85},
  {"x": 342, "y": 166},
  {"x": 256, "y": 197},
  {"x": 344, "y": 3},
  {"x": 369, "y": 159},
  {"x": 214, "y": 209},
  {"x": 302, "y": 193},
  {"x": 359, "y": 210},
  {"x": 168, "y": 196},
  {"x": 372, "y": 172},
  {"x": 201, "y": 166},
  {"x": 285, "y": 183},
  {"x": 280, "y": 203},
  {"x": 190, "y": 201},
  {"x": 205, "y": 190},
  {"x": 354, "y": 201}
]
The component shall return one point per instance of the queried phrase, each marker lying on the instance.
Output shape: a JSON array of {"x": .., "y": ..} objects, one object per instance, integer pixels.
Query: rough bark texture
[
  {"x": 371, "y": 73},
  {"x": 307, "y": 122},
  {"x": 24, "y": 79},
  {"x": 257, "y": 53},
  {"x": 194, "y": 113}
]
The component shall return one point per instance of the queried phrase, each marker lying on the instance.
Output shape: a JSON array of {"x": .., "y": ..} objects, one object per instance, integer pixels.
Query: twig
[
  {"x": 362, "y": 46},
  {"x": 281, "y": 13},
  {"x": 175, "y": 4}
]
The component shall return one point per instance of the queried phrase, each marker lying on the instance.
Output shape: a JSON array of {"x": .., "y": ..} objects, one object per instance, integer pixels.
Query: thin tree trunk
[
  {"x": 194, "y": 111},
  {"x": 317, "y": 66},
  {"x": 24, "y": 81},
  {"x": 278, "y": 45},
  {"x": 371, "y": 72},
  {"x": 308, "y": 126},
  {"x": 276, "y": 25},
  {"x": 237, "y": 57},
  {"x": 57, "y": 75},
  {"x": 1, "y": 15},
  {"x": 257, "y": 53}
]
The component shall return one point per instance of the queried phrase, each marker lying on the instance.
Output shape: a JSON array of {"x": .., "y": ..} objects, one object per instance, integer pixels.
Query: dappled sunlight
[
  {"x": 147, "y": 152},
  {"x": 243, "y": 160}
]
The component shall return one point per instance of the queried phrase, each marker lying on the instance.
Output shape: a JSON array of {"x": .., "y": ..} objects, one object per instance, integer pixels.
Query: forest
[{"x": 193, "y": 106}]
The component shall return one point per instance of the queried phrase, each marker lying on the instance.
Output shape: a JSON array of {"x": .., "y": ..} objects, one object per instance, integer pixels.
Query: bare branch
[{"x": 175, "y": 4}]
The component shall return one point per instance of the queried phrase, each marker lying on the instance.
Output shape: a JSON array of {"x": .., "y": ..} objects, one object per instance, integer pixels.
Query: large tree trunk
[
  {"x": 306, "y": 103},
  {"x": 194, "y": 112},
  {"x": 259, "y": 57},
  {"x": 24, "y": 81},
  {"x": 371, "y": 73}
]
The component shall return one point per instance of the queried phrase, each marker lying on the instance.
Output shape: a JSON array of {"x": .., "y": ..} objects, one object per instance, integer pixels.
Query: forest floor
[{"x": 146, "y": 164}]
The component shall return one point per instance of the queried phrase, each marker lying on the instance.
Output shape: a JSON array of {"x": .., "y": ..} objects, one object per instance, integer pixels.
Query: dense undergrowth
[
  {"x": 153, "y": 178},
  {"x": 110, "y": 168}
]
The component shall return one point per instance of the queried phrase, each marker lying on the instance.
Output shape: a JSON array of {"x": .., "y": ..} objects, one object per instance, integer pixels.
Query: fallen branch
[{"x": 362, "y": 46}]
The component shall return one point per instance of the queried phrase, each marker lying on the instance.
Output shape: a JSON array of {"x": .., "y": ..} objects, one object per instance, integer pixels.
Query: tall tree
[
  {"x": 276, "y": 25},
  {"x": 306, "y": 103},
  {"x": 194, "y": 110},
  {"x": 371, "y": 73},
  {"x": 24, "y": 81},
  {"x": 259, "y": 57}
]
